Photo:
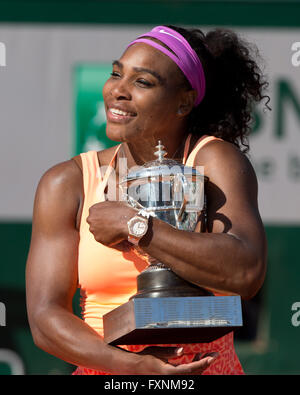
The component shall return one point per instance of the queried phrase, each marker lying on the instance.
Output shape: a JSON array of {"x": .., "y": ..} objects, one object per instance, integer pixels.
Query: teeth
[{"x": 119, "y": 112}]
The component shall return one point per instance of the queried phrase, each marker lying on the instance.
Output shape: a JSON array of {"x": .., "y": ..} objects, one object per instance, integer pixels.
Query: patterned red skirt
[{"x": 227, "y": 363}]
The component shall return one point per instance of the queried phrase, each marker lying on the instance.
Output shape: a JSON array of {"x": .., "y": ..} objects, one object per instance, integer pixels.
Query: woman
[{"x": 194, "y": 92}]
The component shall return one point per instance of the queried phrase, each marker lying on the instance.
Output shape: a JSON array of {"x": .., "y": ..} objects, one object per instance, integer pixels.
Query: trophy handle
[{"x": 181, "y": 183}]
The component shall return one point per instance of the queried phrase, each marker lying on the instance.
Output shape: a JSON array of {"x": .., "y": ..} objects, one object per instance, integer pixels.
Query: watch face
[{"x": 137, "y": 226}]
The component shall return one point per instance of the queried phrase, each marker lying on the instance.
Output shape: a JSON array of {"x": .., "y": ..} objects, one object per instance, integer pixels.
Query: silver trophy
[{"x": 166, "y": 308}]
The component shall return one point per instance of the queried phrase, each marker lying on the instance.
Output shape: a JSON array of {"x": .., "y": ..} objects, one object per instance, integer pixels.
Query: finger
[
  {"x": 176, "y": 361},
  {"x": 191, "y": 370},
  {"x": 205, "y": 361},
  {"x": 196, "y": 367},
  {"x": 162, "y": 352},
  {"x": 199, "y": 356}
]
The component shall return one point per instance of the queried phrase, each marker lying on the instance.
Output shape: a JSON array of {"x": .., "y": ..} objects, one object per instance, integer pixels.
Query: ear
[{"x": 187, "y": 103}]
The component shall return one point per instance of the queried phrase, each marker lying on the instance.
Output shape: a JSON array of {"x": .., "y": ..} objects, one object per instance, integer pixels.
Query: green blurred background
[{"x": 65, "y": 116}]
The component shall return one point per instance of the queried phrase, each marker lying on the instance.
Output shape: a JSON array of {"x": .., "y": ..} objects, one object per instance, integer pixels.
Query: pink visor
[{"x": 186, "y": 58}]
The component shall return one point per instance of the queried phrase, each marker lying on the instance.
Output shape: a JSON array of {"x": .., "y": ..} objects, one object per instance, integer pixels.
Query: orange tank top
[{"x": 107, "y": 277}]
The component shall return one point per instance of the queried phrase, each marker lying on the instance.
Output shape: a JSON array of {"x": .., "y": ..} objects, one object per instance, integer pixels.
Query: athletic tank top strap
[
  {"x": 103, "y": 184},
  {"x": 190, "y": 160},
  {"x": 94, "y": 182},
  {"x": 186, "y": 148}
]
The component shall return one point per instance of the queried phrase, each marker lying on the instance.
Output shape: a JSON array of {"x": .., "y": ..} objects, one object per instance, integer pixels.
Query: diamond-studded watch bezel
[{"x": 134, "y": 220}]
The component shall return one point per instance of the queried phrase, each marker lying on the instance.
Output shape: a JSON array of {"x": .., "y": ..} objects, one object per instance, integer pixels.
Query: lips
[{"x": 119, "y": 114}]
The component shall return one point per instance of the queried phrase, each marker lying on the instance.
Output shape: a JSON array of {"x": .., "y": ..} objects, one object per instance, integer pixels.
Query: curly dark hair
[{"x": 234, "y": 82}]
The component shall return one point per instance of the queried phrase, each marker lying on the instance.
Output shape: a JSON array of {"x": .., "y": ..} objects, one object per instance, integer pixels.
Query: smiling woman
[
  {"x": 193, "y": 92},
  {"x": 153, "y": 79}
]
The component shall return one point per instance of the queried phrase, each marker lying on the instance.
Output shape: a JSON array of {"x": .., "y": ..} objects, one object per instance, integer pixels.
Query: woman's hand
[
  {"x": 108, "y": 221},
  {"x": 164, "y": 361},
  {"x": 158, "y": 365}
]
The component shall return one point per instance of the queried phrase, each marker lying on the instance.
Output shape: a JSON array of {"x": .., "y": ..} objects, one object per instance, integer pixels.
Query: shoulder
[
  {"x": 60, "y": 183},
  {"x": 64, "y": 174},
  {"x": 225, "y": 164},
  {"x": 218, "y": 149},
  {"x": 66, "y": 177},
  {"x": 104, "y": 156},
  {"x": 220, "y": 152}
]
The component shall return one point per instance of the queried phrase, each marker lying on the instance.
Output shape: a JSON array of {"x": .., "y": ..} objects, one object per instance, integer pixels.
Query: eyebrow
[{"x": 142, "y": 69}]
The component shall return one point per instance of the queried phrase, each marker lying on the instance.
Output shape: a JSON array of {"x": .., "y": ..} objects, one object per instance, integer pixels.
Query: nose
[{"x": 121, "y": 91}]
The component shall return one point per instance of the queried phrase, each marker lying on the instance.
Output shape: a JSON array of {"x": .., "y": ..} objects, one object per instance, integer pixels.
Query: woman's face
[{"x": 142, "y": 95}]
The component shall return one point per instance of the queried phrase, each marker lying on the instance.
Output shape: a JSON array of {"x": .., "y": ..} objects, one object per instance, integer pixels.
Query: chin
[
  {"x": 120, "y": 135},
  {"x": 114, "y": 135}
]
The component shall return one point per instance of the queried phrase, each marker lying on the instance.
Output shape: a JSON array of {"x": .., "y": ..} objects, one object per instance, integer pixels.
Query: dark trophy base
[{"x": 171, "y": 311}]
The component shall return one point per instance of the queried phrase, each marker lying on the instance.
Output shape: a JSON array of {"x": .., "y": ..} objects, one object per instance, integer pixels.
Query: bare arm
[
  {"x": 51, "y": 281},
  {"x": 51, "y": 274},
  {"x": 232, "y": 257}
]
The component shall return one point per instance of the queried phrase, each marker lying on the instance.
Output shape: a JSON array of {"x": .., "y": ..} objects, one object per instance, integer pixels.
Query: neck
[{"x": 139, "y": 152}]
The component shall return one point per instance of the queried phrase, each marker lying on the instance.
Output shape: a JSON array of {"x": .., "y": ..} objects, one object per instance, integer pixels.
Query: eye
[
  {"x": 141, "y": 81},
  {"x": 114, "y": 74},
  {"x": 144, "y": 82}
]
